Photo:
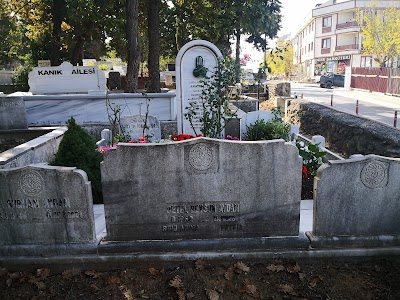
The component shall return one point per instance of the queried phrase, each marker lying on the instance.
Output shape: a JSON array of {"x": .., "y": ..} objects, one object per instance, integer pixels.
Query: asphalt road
[{"x": 374, "y": 106}]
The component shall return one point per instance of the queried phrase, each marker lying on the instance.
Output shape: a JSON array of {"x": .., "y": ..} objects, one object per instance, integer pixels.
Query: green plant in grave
[
  {"x": 275, "y": 128},
  {"x": 267, "y": 130},
  {"x": 312, "y": 156},
  {"x": 215, "y": 99},
  {"x": 114, "y": 112}
]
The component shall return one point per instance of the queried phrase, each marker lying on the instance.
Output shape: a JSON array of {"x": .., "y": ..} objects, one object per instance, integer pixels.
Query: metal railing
[
  {"x": 325, "y": 50},
  {"x": 347, "y": 25},
  {"x": 326, "y": 29},
  {"x": 346, "y": 47}
]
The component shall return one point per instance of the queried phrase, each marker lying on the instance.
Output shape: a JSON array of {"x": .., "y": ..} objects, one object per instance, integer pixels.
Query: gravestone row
[{"x": 200, "y": 191}]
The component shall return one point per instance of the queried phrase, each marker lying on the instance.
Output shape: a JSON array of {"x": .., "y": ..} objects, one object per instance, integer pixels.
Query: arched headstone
[{"x": 194, "y": 61}]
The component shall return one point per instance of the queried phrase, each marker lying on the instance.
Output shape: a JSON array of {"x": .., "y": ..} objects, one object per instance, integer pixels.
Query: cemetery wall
[
  {"x": 39, "y": 150},
  {"x": 11, "y": 138},
  {"x": 345, "y": 133},
  {"x": 55, "y": 110}
]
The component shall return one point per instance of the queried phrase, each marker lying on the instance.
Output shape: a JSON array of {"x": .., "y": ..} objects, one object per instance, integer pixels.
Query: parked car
[{"x": 330, "y": 80}]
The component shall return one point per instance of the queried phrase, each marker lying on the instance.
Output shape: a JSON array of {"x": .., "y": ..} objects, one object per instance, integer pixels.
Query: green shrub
[
  {"x": 77, "y": 149},
  {"x": 312, "y": 156},
  {"x": 270, "y": 130}
]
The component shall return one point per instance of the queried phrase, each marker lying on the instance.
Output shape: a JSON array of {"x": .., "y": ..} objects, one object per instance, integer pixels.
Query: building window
[
  {"x": 326, "y": 43},
  {"x": 366, "y": 61},
  {"x": 312, "y": 46},
  {"x": 327, "y": 22}
]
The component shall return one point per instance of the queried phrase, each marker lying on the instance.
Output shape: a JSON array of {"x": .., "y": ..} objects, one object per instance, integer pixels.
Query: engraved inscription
[
  {"x": 37, "y": 210},
  {"x": 201, "y": 157},
  {"x": 197, "y": 216},
  {"x": 194, "y": 99},
  {"x": 374, "y": 174},
  {"x": 11, "y": 104},
  {"x": 31, "y": 183}
]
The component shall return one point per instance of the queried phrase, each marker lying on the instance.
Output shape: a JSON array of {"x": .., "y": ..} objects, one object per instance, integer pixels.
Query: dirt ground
[{"x": 372, "y": 278}]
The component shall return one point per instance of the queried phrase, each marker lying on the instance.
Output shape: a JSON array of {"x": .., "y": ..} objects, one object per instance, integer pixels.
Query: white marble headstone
[
  {"x": 66, "y": 79},
  {"x": 134, "y": 127},
  {"x": 188, "y": 85}
]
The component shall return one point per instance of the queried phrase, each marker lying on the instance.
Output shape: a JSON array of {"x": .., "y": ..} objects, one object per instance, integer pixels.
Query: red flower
[{"x": 305, "y": 172}]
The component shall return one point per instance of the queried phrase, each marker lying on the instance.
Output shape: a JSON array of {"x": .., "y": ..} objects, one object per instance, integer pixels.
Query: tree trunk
[
  {"x": 180, "y": 37},
  {"x": 237, "y": 55},
  {"x": 77, "y": 52},
  {"x": 132, "y": 14},
  {"x": 153, "y": 27},
  {"x": 58, "y": 14}
]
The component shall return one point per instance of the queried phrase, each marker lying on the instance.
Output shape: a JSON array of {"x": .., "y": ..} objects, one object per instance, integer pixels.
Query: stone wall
[
  {"x": 345, "y": 133},
  {"x": 278, "y": 93},
  {"x": 39, "y": 150},
  {"x": 11, "y": 138}
]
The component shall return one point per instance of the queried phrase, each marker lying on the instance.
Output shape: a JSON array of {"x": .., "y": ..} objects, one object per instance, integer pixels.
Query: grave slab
[
  {"x": 133, "y": 126},
  {"x": 12, "y": 113},
  {"x": 46, "y": 209},
  {"x": 357, "y": 203},
  {"x": 202, "y": 189},
  {"x": 66, "y": 79}
]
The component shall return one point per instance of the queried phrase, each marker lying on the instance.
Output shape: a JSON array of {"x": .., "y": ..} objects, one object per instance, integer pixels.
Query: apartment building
[{"x": 331, "y": 39}]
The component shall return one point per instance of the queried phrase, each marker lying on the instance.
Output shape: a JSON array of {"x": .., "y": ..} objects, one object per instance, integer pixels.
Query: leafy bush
[
  {"x": 312, "y": 156},
  {"x": 77, "y": 149},
  {"x": 261, "y": 130},
  {"x": 104, "y": 67},
  {"x": 215, "y": 99}
]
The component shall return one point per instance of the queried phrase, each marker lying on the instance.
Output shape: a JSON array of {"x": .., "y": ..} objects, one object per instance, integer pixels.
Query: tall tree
[
  {"x": 257, "y": 18},
  {"x": 380, "y": 30},
  {"x": 132, "y": 19},
  {"x": 280, "y": 59},
  {"x": 153, "y": 21},
  {"x": 12, "y": 36},
  {"x": 58, "y": 16}
]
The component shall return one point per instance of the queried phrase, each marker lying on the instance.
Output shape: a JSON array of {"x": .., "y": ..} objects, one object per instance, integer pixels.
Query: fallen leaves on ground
[
  {"x": 250, "y": 288},
  {"x": 241, "y": 267},
  {"x": 176, "y": 282},
  {"x": 200, "y": 264},
  {"x": 154, "y": 271},
  {"x": 43, "y": 272},
  {"x": 287, "y": 289},
  {"x": 114, "y": 280},
  {"x": 229, "y": 274},
  {"x": 276, "y": 268},
  {"x": 294, "y": 269},
  {"x": 71, "y": 273},
  {"x": 212, "y": 294},
  {"x": 210, "y": 280},
  {"x": 93, "y": 274}
]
